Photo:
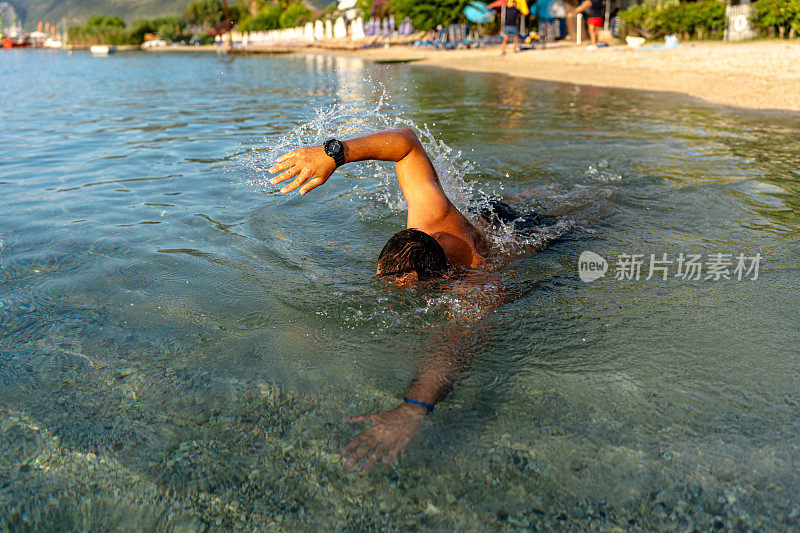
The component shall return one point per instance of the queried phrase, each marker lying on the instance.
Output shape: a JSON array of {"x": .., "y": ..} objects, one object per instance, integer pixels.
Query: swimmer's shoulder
[{"x": 460, "y": 249}]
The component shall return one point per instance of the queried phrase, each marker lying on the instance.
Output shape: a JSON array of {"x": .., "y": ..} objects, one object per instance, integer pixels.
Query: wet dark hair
[{"x": 412, "y": 250}]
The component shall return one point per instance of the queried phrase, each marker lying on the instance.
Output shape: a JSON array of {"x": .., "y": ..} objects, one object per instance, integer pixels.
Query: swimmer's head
[{"x": 413, "y": 256}]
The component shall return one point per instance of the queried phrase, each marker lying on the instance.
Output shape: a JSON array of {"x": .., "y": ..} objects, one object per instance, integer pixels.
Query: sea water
[{"x": 179, "y": 342}]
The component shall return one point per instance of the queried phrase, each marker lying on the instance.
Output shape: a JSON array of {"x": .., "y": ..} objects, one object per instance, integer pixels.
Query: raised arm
[
  {"x": 580, "y": 8},
  {"x": 310, "y": 167}
]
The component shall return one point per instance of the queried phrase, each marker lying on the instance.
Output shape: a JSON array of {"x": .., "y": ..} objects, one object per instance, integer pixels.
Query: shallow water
[{"x": 179, "y": 343}]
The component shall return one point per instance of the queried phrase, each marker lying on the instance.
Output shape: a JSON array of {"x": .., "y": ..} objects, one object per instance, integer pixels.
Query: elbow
[
  {"x": 410, "y": 141},
  {"x": 409, "y": 136}
]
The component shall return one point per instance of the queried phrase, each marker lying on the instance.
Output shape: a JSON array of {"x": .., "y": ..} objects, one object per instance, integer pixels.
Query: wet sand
[{"x": 753, "y": 75}]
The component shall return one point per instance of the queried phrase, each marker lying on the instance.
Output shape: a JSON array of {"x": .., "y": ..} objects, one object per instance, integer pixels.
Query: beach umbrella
[
  {"x": 406, "y": 28},
  {"x": 478, "y": 12},
  {"x": 497, "y": 4},
  {"x": 391, "y": 25}
]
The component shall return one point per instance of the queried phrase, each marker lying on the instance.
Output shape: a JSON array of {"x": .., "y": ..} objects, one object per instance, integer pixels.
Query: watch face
[{"x": 333, "y": 147}]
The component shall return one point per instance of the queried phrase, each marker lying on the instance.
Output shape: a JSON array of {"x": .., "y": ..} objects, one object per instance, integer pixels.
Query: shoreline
[
  {"x": 760, "y": 75},
  {"x": 746, "y": 75}
]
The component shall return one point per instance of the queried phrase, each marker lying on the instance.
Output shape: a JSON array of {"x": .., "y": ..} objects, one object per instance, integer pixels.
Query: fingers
[
  {"x": 380, "y": 451},
  {"x": 278, "y": 167},
  {"x": 301, "y": 179},
  {"x": 316, "y": 182},
  {"x": 355, "y": 443},
  {"x": 284, "y": 157},
  {"x": 372, "y": 449},
  {"x": 363, "y": 450},
  {"x": 393, "y": 454},
  {"x": 292, "y": 172}
]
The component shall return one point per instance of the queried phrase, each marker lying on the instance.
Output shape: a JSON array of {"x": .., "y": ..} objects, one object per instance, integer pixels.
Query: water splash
[
  {"x": 601, "y": 172},
  {"x": 358, "y": 118},
  {"x": 354, "y": 117}
]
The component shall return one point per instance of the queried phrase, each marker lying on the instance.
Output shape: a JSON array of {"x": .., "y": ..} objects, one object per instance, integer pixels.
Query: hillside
[{"x": 72, "y": 11}]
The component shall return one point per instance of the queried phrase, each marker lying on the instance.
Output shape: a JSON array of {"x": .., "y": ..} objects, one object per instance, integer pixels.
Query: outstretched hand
[
  {"x": 388, "y": 437},
  {"x": 310, "y": 167}
]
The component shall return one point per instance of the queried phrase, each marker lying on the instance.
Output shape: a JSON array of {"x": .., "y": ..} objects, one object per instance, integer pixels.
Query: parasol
[
  {"x": 478, "y": 12},
  {"x": 497, "y": 4}
]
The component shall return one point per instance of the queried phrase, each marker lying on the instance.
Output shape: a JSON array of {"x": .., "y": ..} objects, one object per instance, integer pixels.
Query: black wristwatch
[{"x": 335, "y": 149}]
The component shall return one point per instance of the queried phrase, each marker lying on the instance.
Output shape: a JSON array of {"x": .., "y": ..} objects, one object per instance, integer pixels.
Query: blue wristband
[{"x": 427, "y": 406}]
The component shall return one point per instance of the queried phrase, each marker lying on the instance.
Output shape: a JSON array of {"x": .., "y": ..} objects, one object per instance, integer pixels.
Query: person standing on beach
[
  {"x": 511, "y": 22},
  {"x": 595, "y": 21}
]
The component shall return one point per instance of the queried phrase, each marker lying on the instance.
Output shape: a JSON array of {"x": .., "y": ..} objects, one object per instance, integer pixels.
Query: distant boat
[
  {"x": 103, "y": 49},
  {"x": 14, "y": 38},
  {"x": 9, "y": 43}
]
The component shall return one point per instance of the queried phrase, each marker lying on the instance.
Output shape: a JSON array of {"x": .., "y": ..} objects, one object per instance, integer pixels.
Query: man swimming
[
  {"x": 441, "y": 228},
  {"x": 438, "y": 237}
]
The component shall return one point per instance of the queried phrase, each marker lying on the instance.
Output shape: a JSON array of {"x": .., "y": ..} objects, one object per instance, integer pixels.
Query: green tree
[
  {"x": 100, "y": 20},
  {"x": 238, "y": 12},
  {"x": 268, "y": 18},
  {"x": 294, "y": 14},
  {"x": 686, "y": 18},
  {"x": 167, "y": 32},
  {"x": 429, "y": 14},
  {"x": 114, "y": 22},
  {"x": 205, "y": 13},
  {"x": 96, "y": 31},
  {"x": 168, "y": 27},
  {"x": 710, "y": 16},
  {"x": 780, "y": 15}
]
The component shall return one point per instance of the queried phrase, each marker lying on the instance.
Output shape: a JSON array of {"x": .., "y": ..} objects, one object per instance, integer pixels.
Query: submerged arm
[
  {"x": 443, "y": 364},
  {"x": 392, "y": 430}
]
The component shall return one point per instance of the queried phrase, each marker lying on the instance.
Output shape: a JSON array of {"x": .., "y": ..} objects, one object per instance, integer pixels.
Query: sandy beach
[{"x": 754, "y": 75}]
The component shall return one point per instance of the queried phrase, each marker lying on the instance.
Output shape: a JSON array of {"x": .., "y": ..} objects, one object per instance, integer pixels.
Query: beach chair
[
  {"x": 454, "y": 36},
  {"x": 492, "y": 40},
  {"x": 431, "y": 38},
  {"x": 406, "y": 27},
  {"x": 443, "y": 39},
  {"x": 460, "y": 35}
]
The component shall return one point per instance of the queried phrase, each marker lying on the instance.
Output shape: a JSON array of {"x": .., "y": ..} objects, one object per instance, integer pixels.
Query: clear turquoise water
[{"x": 179, "y": 343}]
